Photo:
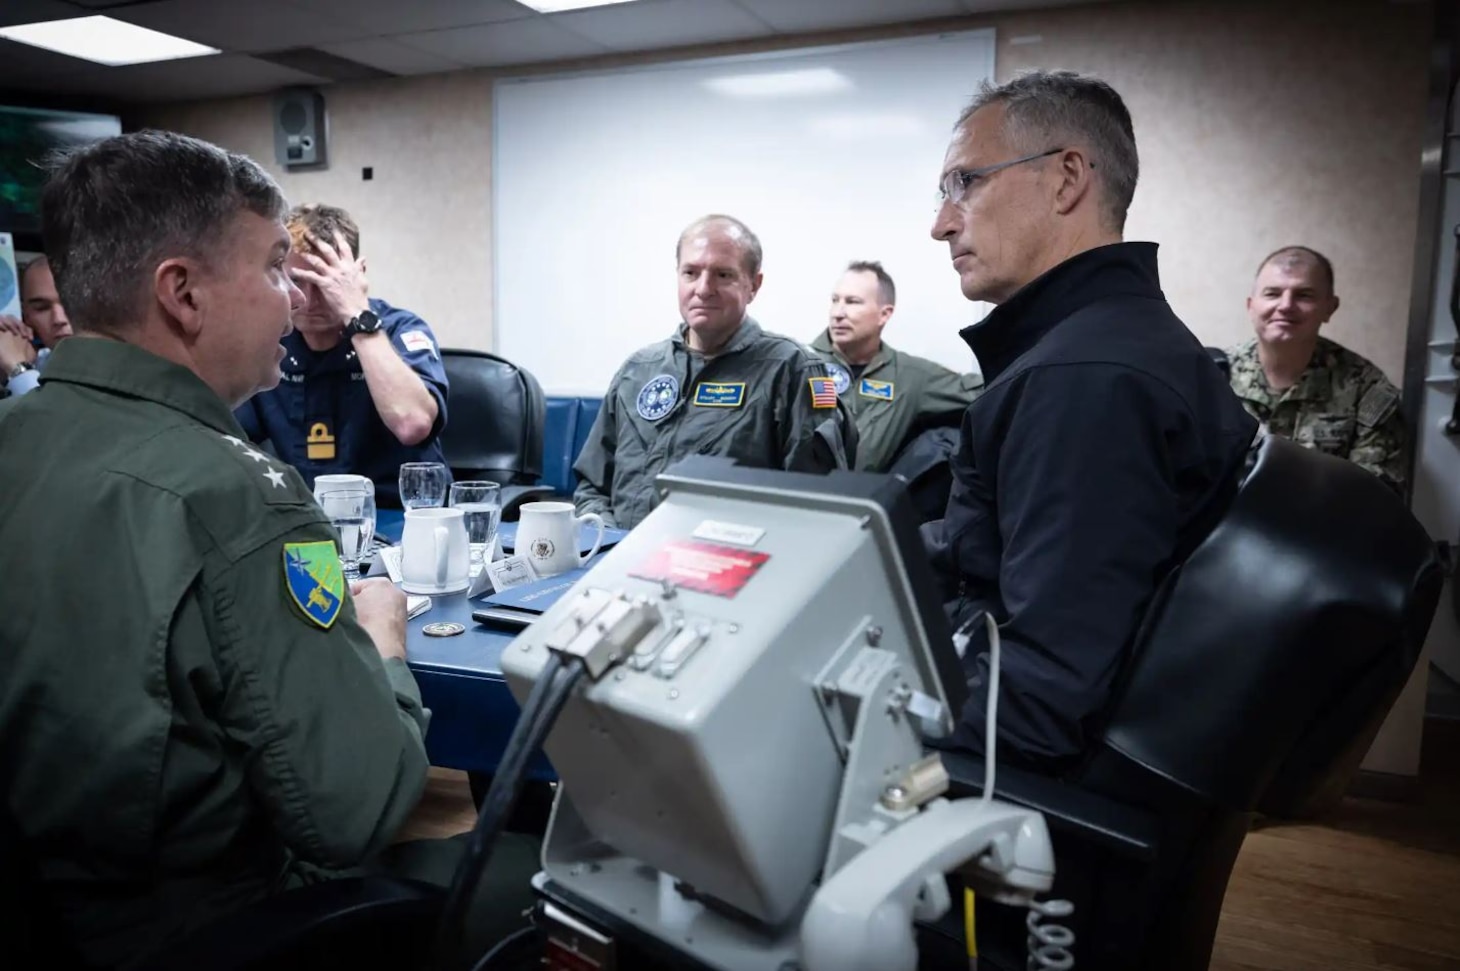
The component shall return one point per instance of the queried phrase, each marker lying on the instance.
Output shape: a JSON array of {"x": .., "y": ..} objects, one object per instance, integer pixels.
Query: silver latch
[
  {"x": 925, "y": 780},
  {"x": 609, "y": 634}
]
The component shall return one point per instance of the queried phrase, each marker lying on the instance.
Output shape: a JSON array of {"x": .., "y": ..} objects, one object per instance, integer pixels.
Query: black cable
[
  {"x": 554, "y": 685},
  {"x": 504, "y": 946}
]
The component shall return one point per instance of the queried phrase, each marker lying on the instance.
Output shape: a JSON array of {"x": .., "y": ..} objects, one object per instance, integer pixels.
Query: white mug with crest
[
  {"x": 435, "y": 554},
  {"x": 547, "y": 534}
]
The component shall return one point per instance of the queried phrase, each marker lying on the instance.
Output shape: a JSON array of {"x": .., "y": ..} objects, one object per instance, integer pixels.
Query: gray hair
[
  {"x": 1056, "y": 109},
  {"x": 113, "y": 210},
  {"x": 886, "y": 289},
  {"x": 750, "y": 251}
]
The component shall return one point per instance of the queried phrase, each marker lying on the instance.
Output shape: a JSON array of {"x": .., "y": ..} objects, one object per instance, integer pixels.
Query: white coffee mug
[
  {"x": 547, "y": 534},
  {"x": 435, "y": 555},
  {"x": 326, "y": 483}
]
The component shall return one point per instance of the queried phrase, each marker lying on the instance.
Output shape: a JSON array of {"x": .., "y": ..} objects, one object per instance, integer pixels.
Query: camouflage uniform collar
[
  {"x": 1316, "y": 381},
  {"x": 1314, "y": 384},
  {"x": 885, "y": 353},
  {"x": 121, "y": 368},
  {"x": 747, "y": 335}
]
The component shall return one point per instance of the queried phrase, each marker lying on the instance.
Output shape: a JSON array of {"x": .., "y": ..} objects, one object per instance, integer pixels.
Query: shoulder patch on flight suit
[
  {"x": 823, "y": 392},
  {"x": 315, "y": 580},
  {"x": 657, "y": 397},
  {"x": 1377, "y": 404},
  {"x": 840, "y": 375},
  {"x": 720, "y": 394},
  {"x": 881, "y": 390}
]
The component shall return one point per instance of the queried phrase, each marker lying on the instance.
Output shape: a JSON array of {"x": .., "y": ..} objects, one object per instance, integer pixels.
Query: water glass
[
  {"x": 423, "y": 484},
  {"x": 352, "y": 512},
  {"x": 481, "y": 504}
]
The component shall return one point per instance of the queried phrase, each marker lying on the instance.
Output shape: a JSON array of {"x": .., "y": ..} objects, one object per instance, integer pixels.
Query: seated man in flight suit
[
  {"x": 719, "y": 386},
  {"x": 364, "y": 390},
  {"x": 893, "y": 395},
  {"x": 217, "y": 716}
]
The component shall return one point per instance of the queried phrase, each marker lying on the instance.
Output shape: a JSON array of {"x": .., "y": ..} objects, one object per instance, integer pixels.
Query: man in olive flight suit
[
  {"x": 893, "y": 395},
  {"x": 196, "y": 710},
  {"x": 719, "y": 386},
  {"x": 1310, "y": 389}
]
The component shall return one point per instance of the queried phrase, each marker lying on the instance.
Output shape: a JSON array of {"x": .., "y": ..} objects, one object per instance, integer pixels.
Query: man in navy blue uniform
[
  {"x": 363, "y": 387},
  {"x": 1106, "y": 442}
]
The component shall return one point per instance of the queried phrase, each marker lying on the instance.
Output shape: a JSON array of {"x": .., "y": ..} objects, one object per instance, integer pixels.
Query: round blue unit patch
[
  {"x": 658, "y": 396},
  {"x": 840, "y": 375}
]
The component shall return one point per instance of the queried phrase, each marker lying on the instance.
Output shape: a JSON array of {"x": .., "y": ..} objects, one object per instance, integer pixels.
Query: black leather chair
[
  {"x": 494, "y": 426},
  {"x": 1263, "y": 666}
]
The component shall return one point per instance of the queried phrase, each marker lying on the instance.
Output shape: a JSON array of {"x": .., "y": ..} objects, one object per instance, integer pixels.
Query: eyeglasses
[{"x": 957, "y": 184}]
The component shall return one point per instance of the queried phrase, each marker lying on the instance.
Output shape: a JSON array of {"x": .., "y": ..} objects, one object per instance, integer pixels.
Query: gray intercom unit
[{"x": 299, "y": 128}]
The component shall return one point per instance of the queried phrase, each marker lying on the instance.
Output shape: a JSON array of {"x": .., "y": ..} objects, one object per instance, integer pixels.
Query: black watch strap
[{"x": 366, "y": 322}]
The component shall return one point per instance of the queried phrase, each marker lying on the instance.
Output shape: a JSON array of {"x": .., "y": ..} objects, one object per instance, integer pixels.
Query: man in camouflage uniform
[
  {"x": 719, "y": 386},
  {"x": 1308, "y": 388},
  {"x": 196, "y": 710},
  {"x": 893, "y": 395}
]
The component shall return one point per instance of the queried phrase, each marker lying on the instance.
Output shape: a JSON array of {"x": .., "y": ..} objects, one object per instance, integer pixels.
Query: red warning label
[{"x": 703, "y": 567}]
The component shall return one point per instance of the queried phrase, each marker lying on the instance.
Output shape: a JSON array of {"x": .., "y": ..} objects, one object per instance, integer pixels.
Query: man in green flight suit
[
  {"x": 719, "y": 386},
  {"x": 196, "y": 711},
  {"x": 894, "y": 395},
  {"x": 1308, "y": 388}
]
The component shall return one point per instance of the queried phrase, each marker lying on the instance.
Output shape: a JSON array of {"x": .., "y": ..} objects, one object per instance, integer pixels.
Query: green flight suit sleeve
[
  {"x": 1379, "y": 446},
  {"x": 946, "y": 392},
  {"x": 812, "y": 439},
  {"x": 333, "y": 734},
  {"x": 595, "y": 463}
]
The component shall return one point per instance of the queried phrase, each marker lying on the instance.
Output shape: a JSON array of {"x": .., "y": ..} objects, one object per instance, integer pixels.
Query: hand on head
[{"x": 337, "y": 276}]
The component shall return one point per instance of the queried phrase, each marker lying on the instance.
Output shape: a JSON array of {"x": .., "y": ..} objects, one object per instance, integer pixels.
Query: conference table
[{"x": 460, "y": 677}]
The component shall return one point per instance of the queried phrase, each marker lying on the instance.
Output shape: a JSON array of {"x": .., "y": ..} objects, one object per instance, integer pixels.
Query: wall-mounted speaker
[{"x": 299, "y": 128}]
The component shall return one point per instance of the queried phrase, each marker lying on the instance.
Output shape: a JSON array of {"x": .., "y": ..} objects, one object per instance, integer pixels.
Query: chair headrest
[
  {"x": 1316, "y": 584},
  {"x": 495, "y": 418}
]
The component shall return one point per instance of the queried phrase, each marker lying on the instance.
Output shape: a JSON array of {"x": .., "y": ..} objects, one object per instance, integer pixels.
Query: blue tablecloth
[{"x": 472, "y": 711}]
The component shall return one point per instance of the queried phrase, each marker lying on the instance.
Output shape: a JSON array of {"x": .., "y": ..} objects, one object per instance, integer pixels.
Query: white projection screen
[{"x": 829, "y": 154}]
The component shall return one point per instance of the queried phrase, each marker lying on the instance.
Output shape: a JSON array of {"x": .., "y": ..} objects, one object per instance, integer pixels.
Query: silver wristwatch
[{"x": 20, "y": 369}]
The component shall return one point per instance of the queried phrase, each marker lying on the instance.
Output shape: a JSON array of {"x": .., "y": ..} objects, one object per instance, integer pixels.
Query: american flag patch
[{"x": 823, "y": 392}]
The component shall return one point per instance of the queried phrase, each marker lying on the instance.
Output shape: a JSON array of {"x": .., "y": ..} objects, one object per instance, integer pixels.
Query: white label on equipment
[{"x": 718, "y": 532}]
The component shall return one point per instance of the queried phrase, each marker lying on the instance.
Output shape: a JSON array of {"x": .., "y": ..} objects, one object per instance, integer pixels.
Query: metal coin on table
[{"x": 444, "y": 629}]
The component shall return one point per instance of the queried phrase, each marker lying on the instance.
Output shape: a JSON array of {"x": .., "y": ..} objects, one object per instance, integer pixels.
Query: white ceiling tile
[
  {"x": 512, "y": 42},
  {"x": 255, "y": 25},
  {"x": 190, "y": 79},
  {"x": 407, "y": 16},
  {"x": 388, "y": 55},
  {"x": 807, "y": 15},
  {"x": 663, "y": 23}
]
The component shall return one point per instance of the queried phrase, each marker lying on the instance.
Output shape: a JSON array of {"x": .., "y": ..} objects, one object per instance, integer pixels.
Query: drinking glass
[
  {"x": 481, "y": 504},
  {"x": 352, "y": 512},
  {"x": 423, "y": 484}
]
